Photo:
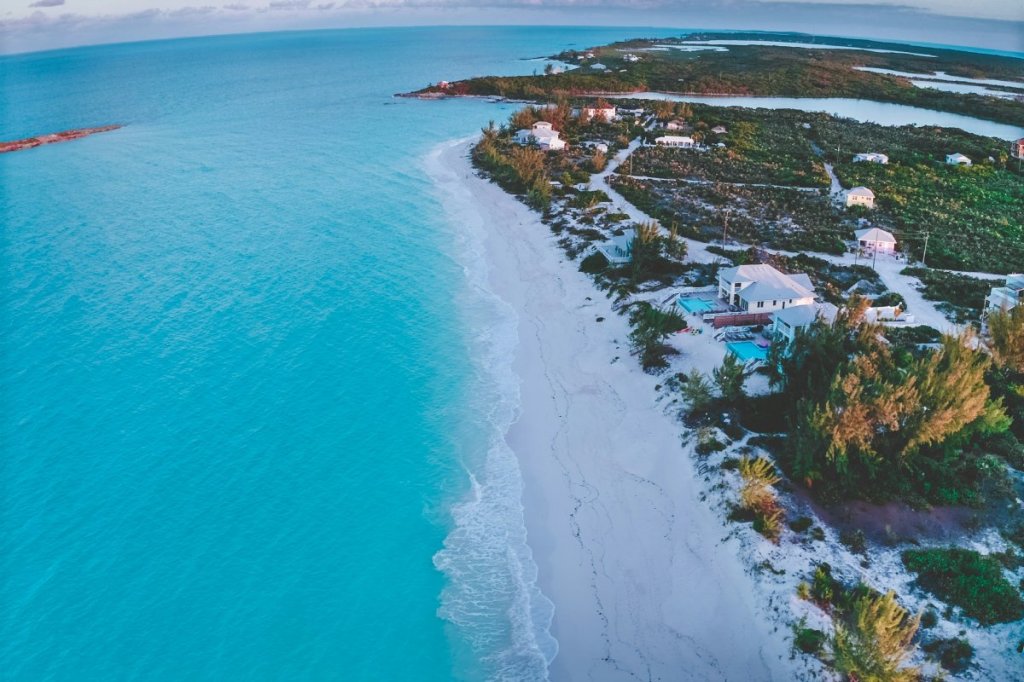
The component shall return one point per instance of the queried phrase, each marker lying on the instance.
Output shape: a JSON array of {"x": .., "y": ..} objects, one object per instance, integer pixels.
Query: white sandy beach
[{"x": 644, "y": 583}]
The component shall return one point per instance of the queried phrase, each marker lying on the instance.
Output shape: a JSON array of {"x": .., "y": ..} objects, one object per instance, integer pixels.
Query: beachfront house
[
  {"x": 874, "y": 239},
  {"x": 957, "y": 159},
  {"x": 681, "y": 141},
  {"x": 542, "y": 135},
  {"x": 1017, "y": 148},
  {"x": 719, "y": 130},
  {"x": 619, "y": 250},
  {"x": 605, "y": 113},
  {"x": 763, "y": 289},
  {"x": 1009, "y": 296},
  {"x": 786, "y": 323},
  {"x": 859, "y": 196},
  {"x": 870, "y": 157}
]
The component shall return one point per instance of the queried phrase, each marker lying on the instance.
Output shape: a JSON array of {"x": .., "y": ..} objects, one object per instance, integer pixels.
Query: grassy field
[{"x": 973, "y": 217}]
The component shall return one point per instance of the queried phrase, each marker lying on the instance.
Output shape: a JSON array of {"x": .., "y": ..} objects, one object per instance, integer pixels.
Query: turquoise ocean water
[{"x": 248, "y": 420}]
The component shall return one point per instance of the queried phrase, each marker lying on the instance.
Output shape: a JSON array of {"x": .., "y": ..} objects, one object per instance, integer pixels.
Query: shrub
[
  {"x": 967, "y": 579},
  {"x": 854, "y": 541},
  {"x": 593, "y": 264},
  {"x": 801, "y": 524},
  {"x": 809, "y": 640},
  {"x": 707, "y": 442},
  {"x": 822, "y": 585},
  {"x": 696, "y": 392},
  {"x": 758, "y": 496},
  {"x": 953, "y": 654},
  {"x": 876, "y": 641}
]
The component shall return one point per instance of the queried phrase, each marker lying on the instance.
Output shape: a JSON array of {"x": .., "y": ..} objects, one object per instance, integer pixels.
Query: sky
[{"x": 29, "y": 25}]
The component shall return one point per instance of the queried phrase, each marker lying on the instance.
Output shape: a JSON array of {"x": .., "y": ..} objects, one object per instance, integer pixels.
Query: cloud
[{"x": 47, "y": 3}]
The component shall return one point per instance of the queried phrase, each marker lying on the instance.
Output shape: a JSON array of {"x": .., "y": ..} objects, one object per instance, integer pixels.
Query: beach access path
[{"x": 646, "y": 580}]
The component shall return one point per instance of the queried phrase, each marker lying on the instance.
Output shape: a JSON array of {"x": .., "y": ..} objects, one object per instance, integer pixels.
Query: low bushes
[{"x": 967, "y": 579}]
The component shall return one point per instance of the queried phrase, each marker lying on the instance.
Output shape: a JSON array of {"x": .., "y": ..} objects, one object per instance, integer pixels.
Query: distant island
[
  {"x": 986, "y": 86},
  {"x": 52, "y": 138}
]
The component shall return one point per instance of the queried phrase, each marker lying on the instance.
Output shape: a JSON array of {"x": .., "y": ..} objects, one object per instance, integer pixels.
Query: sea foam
[{"x": 492, "y": 595}]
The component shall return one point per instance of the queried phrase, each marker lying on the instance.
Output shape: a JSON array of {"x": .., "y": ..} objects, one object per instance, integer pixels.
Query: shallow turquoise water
[
  {"x": 245, "y": 385},
  {"x": 695, "y": 305}
]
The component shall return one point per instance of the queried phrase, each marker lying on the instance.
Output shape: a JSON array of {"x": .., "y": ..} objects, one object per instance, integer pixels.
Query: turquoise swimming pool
[
  {"x": 695, "y": 305},
  {"x": 747, "y": 350}
]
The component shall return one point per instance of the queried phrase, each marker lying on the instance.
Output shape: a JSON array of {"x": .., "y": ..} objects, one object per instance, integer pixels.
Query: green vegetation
[
  {"x": 696, "y": 391},
  {"x": 876, "y": 641},
  {"x": 757, "y": 496},
  {"x": 972, "y": 214},
  {"x": 869, "y": 421},
  {"x": 953, "y": 654},
  {"x": 650, "y": 327},
  {"x": 967, "y": 579},
  {"x": 1006, "y": 339},
  {"x": 760, "y": 70},
  {"x": 809, "y": 640},
  {"x": 729, "y": 378}
]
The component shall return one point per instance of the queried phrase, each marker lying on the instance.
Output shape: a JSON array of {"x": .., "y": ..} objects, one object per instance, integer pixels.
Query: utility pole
[
  {"x": 725, "y": 226},
  {"x": 874, "y": 259},
  {"x": 925, "y": 253}
]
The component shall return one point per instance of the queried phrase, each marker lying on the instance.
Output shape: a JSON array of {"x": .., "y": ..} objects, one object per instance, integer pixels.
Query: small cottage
[
  {"x": 957, "y": 159},
  {"x": 860, "y": 196}
]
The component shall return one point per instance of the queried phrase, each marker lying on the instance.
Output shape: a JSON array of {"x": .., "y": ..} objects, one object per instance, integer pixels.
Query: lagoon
[{"x": 883, "y": 113}]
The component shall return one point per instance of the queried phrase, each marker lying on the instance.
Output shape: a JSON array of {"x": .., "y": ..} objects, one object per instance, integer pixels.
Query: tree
[
  {"x": 598, "y": 161},
  {"x": 696, "y": 391},
  {"x": 650, "y": 327},
  {"x": 729, "y": 377},
  {"x": 758, "y": 495},
  {"x": 1006, "y": 338},
  {"x": 877, "y": 643}
]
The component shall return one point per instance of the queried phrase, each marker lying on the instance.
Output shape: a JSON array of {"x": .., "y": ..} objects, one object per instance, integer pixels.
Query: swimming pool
[
  {"x": 695, "y": 305},
  {"x": 747, "y": 350}
]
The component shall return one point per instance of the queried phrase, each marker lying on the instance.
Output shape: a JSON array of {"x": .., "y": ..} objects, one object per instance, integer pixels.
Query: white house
[
  {"x": 719, "y": 130},
  {"x": 1009, "y": 296},
  {"x": 1017, "y": 148},
  {"x": 859, "y": 196},
  {"x": 871, "y": 157},
  {"x": 541, "y": 134},
  {"x": 957, "y": 159},
  {"x": 598, "y": 66},
  {"x": 619, "y": 250},
  {"x": 606, "y": 113},
  {"x": 874, "y": 239},
  {"x": 677, "y": 124},
  {"x": 887, "y": 313},
  {"x": 631, "y": 58},
  {"x": 763, "y": 289},
  {"x": 786, "y": 323},
  {"x": 674, "y": 141}
]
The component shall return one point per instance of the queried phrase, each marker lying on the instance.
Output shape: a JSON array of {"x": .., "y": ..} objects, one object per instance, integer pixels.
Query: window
[{"x": 760, "y": 304}]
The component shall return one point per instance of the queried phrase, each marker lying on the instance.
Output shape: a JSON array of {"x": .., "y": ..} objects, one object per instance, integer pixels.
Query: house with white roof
[
  {"x": 605, "y": 113},
  {"x": 683, "y": 141},
  {"x": 598, "y": 66},
  {"x": 786, "y": 323},
  {"x": 763, "y": 289},
  {"x": 677, "y": 124},
  {"x": 719, "y": 130},
  {"x": 859, "y": 196},
  {"x": 631, "y": 58},
  {"x": 541, "y": 134},
  {"x": 1009, "y": 296},
  {"x": 957, "y": 159},
  {"x": 619, "y": 250},
  {"x": 875, "y": 239},
  {"x": 871, "y": 157}
]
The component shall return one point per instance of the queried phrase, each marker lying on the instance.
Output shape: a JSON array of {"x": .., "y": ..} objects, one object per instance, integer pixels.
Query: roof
[
  {"x": 768, "y": 283},
  {"x": 674, "y": 138},
  {"x": 797, "y": 316},
  {"x": 873, "y": 234},
  {"x": 958, "y": 156},
  {"x": 860, "y": 192}
]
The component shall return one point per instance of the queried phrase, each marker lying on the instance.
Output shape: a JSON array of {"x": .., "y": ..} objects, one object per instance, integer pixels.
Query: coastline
[{"x": 644, "y": 580}]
